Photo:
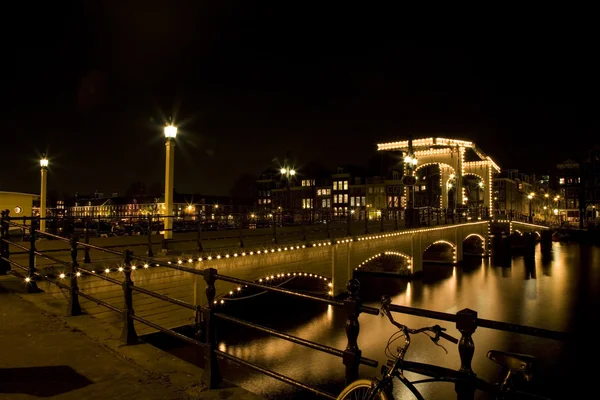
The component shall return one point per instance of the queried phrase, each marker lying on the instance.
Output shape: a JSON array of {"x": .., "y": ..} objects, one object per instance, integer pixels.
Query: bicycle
[{"x": 518, "y": 369}]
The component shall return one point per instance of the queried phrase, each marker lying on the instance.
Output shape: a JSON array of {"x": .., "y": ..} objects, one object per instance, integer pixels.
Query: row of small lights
[
  {"x": 279, "y": 249},
  {"x": 272, "y": 278},
  {"x": 445, "y": 242},
  {"x": 388, "y": 253}
]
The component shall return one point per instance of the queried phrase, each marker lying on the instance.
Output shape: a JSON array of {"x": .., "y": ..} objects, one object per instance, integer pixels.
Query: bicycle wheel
[{"x": 359, "y": 390}]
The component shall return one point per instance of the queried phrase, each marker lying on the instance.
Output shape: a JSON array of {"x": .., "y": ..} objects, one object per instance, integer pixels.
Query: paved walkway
[{"x": 45, "y": 355}]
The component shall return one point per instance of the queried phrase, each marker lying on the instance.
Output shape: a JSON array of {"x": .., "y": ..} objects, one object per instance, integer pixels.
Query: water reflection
[{"x": 559, "y": 291}]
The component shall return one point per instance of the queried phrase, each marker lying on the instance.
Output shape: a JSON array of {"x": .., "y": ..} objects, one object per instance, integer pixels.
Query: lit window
[
  {"x": 18, "y": 210},
  {"x": 345, "y": 185},
  {"x": 335, "y": 186},
  {"x": 560, "y": 181}
]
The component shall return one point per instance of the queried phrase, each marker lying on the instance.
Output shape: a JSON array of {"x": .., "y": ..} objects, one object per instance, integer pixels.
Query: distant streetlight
[
  {"x": 170, "y": 134},
  {"x": 530, "y": 196},
  {"x": 43, "y": 192},
  {"x": 287, "y": 173}
]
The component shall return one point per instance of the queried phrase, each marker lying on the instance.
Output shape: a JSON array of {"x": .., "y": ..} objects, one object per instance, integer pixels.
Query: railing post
[
  {"x": 199, "y": 247},
  {"x": 150, "y": 252},
  {"x": 241, "y": 243},
  {"x": 86, "y": 239},
  {"x": 128, "y": 335},
  {"x": 352, "y": 354},
  {"x": 349, "y": 222},
  {"x": 31, "y": 284},
  {"x": 73, "y": 308},
  {"x": 4, "y": 250},
  {"x": 274, "y": 229},
  {"x": 211, "y": 376},
  {"x": 466, "y": 323}
]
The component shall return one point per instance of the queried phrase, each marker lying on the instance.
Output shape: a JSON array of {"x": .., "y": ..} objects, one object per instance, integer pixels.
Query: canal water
[{"x": 560, "y": 292}]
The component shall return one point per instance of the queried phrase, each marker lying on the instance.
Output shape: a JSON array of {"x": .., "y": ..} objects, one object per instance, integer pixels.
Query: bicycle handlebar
[{"x": 436, "y": 329}]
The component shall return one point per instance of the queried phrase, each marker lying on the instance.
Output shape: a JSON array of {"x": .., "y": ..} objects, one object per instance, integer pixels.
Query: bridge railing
[
  {"x": 206, "y": 316},
  {"x": 239, "y": 234}
]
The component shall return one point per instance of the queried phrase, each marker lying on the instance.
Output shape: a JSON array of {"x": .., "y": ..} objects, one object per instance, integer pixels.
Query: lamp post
[
  {"x": 530, "y": 196},
  {"x": 43, "y": 190},
  {"x": 287, "y": 173},
  {"x": 409, "y": 180},
  {"x": 170, "y": 134}
]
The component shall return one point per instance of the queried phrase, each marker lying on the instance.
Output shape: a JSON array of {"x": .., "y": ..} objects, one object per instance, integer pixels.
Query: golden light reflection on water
[{"x": 538, "y": 292}]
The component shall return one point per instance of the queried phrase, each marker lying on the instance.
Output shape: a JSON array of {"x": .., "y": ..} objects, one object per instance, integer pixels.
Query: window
[
  {"x": 307, "y": 203},
  {"x": 308, "y": 182},
  {"x": 345, "y": 185},
  {"x": 335, "y": 185},
  {"x": 370, "y": 190},
  {"x": 561, "y": 181},
  {"x": 326, "y": 203}
]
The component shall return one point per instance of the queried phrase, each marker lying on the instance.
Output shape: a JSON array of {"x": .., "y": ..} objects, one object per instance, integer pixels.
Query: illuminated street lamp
[
  {"x": 287, "y": 173},
  {"x": 170, "y": 134},
  {"x": 43, "y": 192},
  {"x": 530, "y": 196}
]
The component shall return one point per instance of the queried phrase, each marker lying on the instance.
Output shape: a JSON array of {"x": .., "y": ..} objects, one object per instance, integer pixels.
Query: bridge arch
[
  {"x": 470, "y": 247},
  {"x": 388, "y": 253},
  {"x": 322, "y": 284},
  {"x": 439, "y": 188},
  {"x": 439, "y": 243}
]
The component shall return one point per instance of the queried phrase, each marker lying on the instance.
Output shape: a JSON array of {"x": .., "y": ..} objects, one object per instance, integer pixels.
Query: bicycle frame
[{"x": 442, "y": 374}]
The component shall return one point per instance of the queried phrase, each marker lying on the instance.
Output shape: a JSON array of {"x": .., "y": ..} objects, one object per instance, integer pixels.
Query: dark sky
[{"x": 93, "y": 84}]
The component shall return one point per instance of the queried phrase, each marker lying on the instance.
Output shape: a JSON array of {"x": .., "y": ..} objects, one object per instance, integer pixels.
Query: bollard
[
  {"x": 352, "y": 354},
  {"x": 211, "y": 376},
  {"x": 128, "y": 335},
  {"x": 466, "y": 323},
  {"x": 73, "y": 308},
  {"x": 199, "y": 247},
  {"x": 86, "y": 239},
  {"x": 31, "y": 284},
  {"x": 4, "y": 250}
]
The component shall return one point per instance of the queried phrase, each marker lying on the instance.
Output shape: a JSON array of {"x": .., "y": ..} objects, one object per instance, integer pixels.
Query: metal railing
[
  {"x": 205, "y": 316},
  {"x": 350, "y": 225}
]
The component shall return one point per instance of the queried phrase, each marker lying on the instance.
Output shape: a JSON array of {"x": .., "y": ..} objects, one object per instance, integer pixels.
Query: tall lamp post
[
  {"x": 410, "y": 162},
  {"x": 43, "y": 192},
  {"x": 170, "y": 134},
  {"x": 530, "y": 196},
  {"x": 287, "y": 173}
]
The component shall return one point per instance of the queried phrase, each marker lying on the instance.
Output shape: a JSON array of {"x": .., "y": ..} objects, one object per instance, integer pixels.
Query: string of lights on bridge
[{"x": 267, "y": 251}]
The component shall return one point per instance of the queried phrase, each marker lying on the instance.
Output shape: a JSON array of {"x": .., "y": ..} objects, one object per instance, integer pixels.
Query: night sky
[{"x": 93, "y": 84}]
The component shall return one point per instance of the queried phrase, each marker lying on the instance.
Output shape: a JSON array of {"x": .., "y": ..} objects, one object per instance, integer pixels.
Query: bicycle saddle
[{"x": 512, "y": 361}]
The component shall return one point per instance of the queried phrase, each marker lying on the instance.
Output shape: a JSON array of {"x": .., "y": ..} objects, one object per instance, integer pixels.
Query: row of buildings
[{"x": 314, "y": 193}]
